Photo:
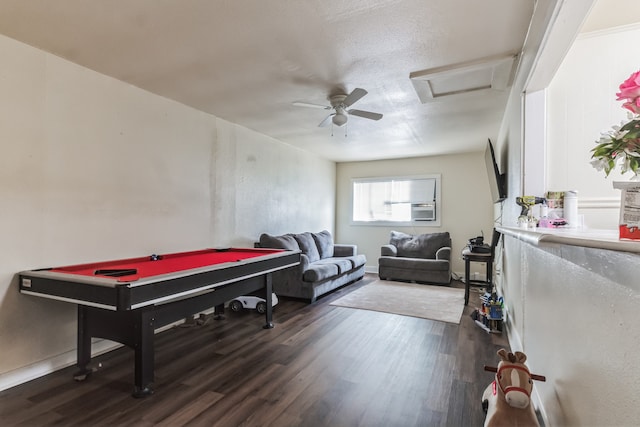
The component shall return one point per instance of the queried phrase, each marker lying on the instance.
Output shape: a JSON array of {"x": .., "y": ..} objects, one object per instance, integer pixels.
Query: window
[{"x": 410, "y": 200}]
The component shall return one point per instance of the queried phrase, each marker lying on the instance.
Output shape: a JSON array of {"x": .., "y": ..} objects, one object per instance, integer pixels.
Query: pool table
[{"x": 127, "y": 300}]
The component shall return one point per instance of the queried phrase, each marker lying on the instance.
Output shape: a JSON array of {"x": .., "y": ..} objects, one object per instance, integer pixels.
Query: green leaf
[
  {"x": 634, "y": 133},
  {"x": 630, "y": 125}
]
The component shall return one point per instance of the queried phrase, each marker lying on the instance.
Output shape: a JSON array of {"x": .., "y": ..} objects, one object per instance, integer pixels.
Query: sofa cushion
[
  {"x": 308, "y": 246},
  {"x": 320, "y": 271},
  {"x": 343, "y": 264},
  {"x": 324, "y": 242},
  {"x": 357, "y": 260},
  {"x": 279, "y": 242},
  {"x": 413, "y": 264},
  {"x": 421, "y": 246}
]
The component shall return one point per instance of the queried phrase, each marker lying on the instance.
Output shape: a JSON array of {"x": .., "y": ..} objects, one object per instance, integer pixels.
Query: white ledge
[{"x": 585, "y": 237}]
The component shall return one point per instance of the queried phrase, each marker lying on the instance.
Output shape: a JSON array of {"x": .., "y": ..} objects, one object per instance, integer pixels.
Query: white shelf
[{"x": 585, "y": 237}]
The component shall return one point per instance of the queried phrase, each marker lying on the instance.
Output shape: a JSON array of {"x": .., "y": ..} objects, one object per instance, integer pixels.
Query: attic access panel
[{"x": 487, "y": 74}]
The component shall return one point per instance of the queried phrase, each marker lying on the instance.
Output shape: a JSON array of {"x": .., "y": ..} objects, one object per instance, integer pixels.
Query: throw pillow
[
  {"x": 421, "y": 246},
  {"x": 308, "y": 246},
  {"x": 279, "y": 242},
  {"x": 324, "y": 242}
]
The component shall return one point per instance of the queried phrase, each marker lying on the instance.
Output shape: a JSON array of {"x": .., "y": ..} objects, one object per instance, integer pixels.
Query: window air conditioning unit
[{"x": 423, "y": 211}]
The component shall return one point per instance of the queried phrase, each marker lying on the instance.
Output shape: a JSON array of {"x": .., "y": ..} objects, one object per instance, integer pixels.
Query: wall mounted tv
[{"x": 497, "y": 181}]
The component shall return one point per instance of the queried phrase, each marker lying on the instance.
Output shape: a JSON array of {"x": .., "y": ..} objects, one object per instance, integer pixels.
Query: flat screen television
[{"x": 497, "y": 181}]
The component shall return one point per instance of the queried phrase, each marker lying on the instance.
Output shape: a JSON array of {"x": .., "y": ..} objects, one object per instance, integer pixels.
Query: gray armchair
[{"x": 425, "y": 258}]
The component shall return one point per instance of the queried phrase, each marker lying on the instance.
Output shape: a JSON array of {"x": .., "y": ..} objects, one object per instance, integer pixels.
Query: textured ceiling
[{"x": 248, "y": 61}]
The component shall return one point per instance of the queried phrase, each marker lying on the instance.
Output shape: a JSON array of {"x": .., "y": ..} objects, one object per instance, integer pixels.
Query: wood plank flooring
[{"x": 321, "y": 365}]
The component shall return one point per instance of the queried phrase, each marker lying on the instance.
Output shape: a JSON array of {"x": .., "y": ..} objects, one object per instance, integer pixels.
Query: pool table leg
[
  {"x": 218, "y": 312},
  {"x": 144, "y": 353},
  {"x": 84, "y": 346},
  {"x": 268, "y": 286}
]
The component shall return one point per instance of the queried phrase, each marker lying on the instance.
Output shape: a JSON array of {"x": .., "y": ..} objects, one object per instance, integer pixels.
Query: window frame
[{"x": 411, "y": 223}]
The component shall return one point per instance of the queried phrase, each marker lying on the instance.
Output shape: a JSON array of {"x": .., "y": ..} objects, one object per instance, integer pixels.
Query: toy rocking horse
[{"x": 507, "y": 399}]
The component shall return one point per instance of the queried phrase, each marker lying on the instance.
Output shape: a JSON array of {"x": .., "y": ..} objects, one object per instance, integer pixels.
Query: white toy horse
[{"x": 507, "y": 399}]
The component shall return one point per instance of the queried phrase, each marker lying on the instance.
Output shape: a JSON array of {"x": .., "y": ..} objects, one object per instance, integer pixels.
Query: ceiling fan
[{"x": 340, "y": 104}]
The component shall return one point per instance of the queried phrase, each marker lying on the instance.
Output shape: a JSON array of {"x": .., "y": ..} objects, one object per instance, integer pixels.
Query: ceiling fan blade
[
  {"x": 326, "y": 120},
  {"x": 307, "y": 104},
  {"x": 366, "y": 114},
  {"x": 354, "y": 96}
]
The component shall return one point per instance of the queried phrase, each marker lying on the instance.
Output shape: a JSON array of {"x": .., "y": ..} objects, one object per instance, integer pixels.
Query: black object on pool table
[{"x": 116, "y": 272}]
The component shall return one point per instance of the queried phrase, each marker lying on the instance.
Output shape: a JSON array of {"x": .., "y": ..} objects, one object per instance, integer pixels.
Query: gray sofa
[
  {"x": 425, "y": 258},
  {"x": 324, "y": 265}
]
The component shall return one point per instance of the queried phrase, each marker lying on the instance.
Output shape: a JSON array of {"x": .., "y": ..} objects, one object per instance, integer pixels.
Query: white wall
[
  {"x": 95, "y": 169},
  {"x": 572, "y": 309},
  {"x": 265, "y": 186},
  {"x": 466, "y": 202},
  {"x": 581, "y": 103},
  {"x": 577, "y": 320}
]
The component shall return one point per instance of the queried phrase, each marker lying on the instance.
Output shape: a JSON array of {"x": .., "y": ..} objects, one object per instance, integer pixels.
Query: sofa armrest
[
  {"x": 304, "y": 263},
  {"x": 388, "y": 250},
  {"x": 345, "y": 250},
  {"x": 444, "y": 253}
]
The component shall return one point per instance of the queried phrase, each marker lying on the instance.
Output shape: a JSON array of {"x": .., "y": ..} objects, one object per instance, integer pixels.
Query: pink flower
[
  {"x": 630, "y": 92},
  {"x": 621, "y": 144},
  {"x": 632, "y": 105}
]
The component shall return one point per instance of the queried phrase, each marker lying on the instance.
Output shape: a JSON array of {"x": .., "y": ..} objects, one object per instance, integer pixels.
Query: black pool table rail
[{"x": 116, "y": 294}]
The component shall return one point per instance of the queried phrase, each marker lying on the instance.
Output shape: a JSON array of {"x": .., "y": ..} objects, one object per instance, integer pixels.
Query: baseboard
[
  {"x": 47, "y": 366},
  {"x": 474, "y": 276},
  {"x": 61, "y": 361}
]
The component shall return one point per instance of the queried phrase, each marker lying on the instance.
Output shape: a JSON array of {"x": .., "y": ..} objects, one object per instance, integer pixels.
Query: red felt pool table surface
[{"x": 168, "y": 263}]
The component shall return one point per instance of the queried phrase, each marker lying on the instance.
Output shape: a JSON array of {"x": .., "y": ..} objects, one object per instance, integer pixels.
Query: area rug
[{"x": 440, "y": 303}]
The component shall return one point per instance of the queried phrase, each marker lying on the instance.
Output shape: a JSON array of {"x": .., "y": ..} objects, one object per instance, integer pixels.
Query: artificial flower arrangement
[{"x": 622, "y": 143}]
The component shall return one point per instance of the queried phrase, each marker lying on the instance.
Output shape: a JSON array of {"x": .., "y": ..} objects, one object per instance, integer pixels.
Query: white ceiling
[
  {"x": 612, "y": 13},
  {"x": 248, "y": 61}
]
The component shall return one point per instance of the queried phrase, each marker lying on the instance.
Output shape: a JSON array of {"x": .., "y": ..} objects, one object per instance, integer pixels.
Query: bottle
[
  {"x": 544, "y": 210},
  {"x": 571, "y": 208},
  {"x": 544, "y": 215}
]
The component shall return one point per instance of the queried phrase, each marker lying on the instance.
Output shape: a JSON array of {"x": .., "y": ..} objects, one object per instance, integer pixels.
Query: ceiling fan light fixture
[{"x": 339, "y": 119}]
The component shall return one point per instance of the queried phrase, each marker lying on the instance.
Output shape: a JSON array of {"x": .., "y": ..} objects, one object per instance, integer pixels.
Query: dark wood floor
[{"x": 321, "y": 365}]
